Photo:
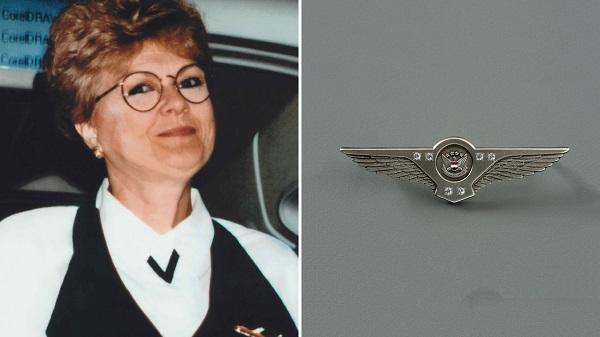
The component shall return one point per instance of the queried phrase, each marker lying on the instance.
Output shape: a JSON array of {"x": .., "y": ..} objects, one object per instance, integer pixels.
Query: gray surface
[{"x": 386, "y": 258}]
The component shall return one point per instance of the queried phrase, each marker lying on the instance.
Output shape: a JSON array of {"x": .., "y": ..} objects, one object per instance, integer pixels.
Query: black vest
[{"x": 93, "y": 301}]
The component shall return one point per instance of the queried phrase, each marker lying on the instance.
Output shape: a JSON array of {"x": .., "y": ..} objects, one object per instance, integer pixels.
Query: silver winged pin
[{"x": 454, "y": 168}]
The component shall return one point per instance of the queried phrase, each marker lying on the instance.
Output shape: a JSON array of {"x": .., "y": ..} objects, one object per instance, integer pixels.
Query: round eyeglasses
[{"x": 142, "y": 90}]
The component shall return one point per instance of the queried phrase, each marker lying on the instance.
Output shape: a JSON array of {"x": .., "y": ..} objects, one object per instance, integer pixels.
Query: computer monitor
[{"x": 24, "y": 28}]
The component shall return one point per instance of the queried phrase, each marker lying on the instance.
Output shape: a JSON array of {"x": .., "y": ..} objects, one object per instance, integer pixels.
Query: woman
[{"x": 146, "y": 259}]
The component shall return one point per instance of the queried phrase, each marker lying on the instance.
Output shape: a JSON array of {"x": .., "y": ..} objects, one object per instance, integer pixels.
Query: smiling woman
[
  {"x": 133, "y": 79},
  {"x": 153, "y": 136}
]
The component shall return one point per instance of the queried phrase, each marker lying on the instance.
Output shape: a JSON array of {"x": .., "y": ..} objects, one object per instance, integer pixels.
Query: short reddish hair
[{"x": 91, "y": 36}]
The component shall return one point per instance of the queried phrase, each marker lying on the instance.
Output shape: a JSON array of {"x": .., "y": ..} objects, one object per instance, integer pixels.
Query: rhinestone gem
[
  {"x": 429, "y": 156},
  {"x": 479, "y": 156},
  {"x": 448, "y": 191},
  {"x": 460, "y": 191},
  {"x": 417, "y": 156},
  {"x": 491, "y": 156}
]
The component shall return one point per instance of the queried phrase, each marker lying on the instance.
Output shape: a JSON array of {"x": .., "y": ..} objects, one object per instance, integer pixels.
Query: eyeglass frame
[{"x": 122, "y": 82}]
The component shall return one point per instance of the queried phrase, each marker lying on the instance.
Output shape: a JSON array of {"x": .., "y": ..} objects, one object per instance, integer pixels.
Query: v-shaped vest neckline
[{"x": 93, "y": 296}]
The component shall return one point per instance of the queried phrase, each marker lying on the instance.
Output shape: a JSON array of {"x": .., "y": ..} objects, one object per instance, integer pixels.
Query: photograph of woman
[{"x": 145, "y": 257}]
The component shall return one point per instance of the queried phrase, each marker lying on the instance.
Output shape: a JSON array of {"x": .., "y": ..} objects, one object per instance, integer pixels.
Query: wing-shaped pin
[{"x": 454, "y": 168}]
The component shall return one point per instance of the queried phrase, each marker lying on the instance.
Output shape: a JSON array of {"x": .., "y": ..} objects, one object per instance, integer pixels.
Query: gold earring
[{"x": 98, "y": 153}]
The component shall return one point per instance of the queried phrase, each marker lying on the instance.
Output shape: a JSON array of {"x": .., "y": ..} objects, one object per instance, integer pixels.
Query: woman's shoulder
[
  {"x": 35, "y": 250},
  {"x": 39, "y": 236},
  {"x": 275, "y": 259},
  {"x": 277, "y": 262},
  {"x": 38, "y": 226},
  {"x": 260, "y": 245}
]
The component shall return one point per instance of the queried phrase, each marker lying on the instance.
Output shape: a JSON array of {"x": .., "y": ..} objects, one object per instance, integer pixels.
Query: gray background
[{"x": 383, "y": 257}]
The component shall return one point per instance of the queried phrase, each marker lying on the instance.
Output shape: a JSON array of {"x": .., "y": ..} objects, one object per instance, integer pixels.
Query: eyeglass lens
[{"x": 142, "y": 90}]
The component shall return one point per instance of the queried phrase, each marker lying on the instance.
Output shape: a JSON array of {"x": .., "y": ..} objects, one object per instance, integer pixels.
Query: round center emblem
[{"x": 454, "y": 162}]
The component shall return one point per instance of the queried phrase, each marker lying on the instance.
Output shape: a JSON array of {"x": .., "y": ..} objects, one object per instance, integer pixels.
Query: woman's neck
[{"x": 161, "y": 205}]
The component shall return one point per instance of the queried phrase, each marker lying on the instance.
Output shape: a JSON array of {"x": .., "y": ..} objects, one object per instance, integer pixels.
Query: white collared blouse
[{"x": 36, "y": 247}]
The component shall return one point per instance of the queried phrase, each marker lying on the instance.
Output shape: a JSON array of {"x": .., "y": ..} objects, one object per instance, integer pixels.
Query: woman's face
[{"x": 172, "y": 140}]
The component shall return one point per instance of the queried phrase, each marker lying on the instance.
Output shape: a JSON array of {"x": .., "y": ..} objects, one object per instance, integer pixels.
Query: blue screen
[{"x": 24, "y": 28}]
